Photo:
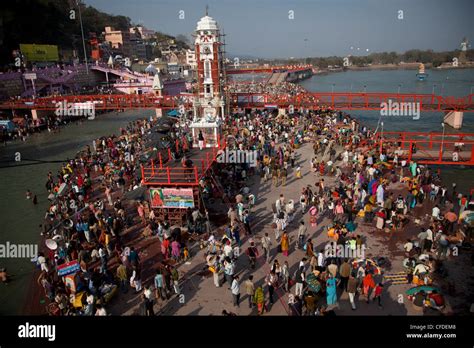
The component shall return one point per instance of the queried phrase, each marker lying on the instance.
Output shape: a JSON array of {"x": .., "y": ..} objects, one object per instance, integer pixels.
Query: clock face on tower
[{"x": 206, "y": 51}]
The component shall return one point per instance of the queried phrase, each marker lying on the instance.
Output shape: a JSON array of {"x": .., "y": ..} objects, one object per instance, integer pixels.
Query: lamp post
[
  {"x": 333, "y": 87},
  {"x": 399, "y": 88},
  {"x": 78, "y": 3},
  {"x": 381, "y": 139},
  {"x": 434, "y": 86},
  {"x": 442, "y": 143},
  {"x": 365, "y": 88}
]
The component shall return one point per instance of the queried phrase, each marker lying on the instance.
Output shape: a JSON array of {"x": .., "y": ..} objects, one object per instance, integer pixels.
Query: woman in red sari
[{"x": 165, "y": 248}]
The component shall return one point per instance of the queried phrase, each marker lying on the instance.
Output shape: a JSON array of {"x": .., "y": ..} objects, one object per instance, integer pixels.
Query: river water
[
  {"x": 20, "y": 218},
  {"x": 454, "y": 82}
]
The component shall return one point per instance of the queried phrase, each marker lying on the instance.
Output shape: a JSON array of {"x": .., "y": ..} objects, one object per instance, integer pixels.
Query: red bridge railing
[
  {"x": 310, "y": 100},
  {"x": 353, "y": 101},
  {"x": 160, "y": 173},
  {"x": 432, "y": 148}
]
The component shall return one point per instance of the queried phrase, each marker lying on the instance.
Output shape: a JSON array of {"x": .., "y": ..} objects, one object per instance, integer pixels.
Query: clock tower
[{"x": 209, "y": 98}]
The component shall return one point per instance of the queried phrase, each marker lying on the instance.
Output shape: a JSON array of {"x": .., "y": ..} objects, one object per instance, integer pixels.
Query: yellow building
[{"x": 119, "y": 40}]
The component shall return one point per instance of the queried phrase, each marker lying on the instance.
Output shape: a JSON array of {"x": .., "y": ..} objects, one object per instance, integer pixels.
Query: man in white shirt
[
  {"x": 148, "y": 293},
  {"x": 422, "y": 238},
  {"x": 228, "y": 250},
  {"x": 280, "y": 203},
  {"x": 229, "y": 269},
  {"x": 371, "y": 172},
  {"x": 408, "y": 246},
  {"x": 420, "y": 270},
  {"x": 303, "y": 263},
  {"x": 429, "y": 239},
  {"x": 266, "y": 245},
  {"x": 235, "y": 289},
  {"x": 320, "y": 259},
  {"x": 435, "y": 212},
  {"x": 42, "y": 262}
]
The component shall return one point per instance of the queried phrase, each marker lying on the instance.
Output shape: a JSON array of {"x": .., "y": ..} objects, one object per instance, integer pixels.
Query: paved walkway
[{"x": 201, "y": 297}]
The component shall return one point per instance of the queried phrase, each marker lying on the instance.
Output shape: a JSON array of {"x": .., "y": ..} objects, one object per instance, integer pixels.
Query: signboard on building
[
  {"x": 68, "y": 268},
  {"x": 171, "y": 198},
  {"x": 40, "y": 53}
]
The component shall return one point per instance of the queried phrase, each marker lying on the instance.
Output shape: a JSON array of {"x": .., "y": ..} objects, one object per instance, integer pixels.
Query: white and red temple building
[{"x": 209, "y": 101}]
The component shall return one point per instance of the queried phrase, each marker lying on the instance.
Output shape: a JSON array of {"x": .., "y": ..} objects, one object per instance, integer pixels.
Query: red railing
[
  {"x": 101, "y": 102},
  {"x": 432, "y": 148},
  {"x": 353, "y": 101},
  {"x": 309, "y": 100},
  {"x": 162, "y": 173}
]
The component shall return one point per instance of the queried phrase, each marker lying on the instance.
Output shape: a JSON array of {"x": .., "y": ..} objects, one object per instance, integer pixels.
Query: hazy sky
[{"x": 262, "y": 28}]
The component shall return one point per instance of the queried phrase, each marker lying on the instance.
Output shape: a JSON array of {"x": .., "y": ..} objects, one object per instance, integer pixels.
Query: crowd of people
[
  {"x": 358, "y": 186},
  {"x": 378, "y": 189},
  {"x": 86, "y": 220},
  {"x": 281, "y": 89}
]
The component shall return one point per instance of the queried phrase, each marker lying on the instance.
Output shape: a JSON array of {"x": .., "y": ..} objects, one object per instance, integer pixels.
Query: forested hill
[{"x": 49, "y": 22}]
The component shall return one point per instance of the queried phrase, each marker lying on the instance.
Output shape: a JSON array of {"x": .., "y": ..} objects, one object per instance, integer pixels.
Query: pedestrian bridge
[
  {"x": 353, "y": 101},
  {"x": 267, "y": 69},
  {"x": 306, "y": 100}
]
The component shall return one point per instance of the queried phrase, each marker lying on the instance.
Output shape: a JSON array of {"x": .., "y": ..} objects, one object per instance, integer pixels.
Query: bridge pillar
[
  {"x": 454, "y": 119},
  {"x": 159, "y": 112}
]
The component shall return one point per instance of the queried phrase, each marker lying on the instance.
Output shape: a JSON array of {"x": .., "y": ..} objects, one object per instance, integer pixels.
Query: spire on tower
[{"x": 207, "y": 10}]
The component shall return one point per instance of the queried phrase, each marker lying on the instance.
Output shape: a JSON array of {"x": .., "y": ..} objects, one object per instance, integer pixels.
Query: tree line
[
  {"x": 51, "y": 22},
  {"x": 412, "y": 56}
]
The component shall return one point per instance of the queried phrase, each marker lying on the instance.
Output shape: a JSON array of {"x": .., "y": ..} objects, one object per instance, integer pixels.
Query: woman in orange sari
[
  {"x": 285, "y": 244},
  {"x": 368, "y": 285}
]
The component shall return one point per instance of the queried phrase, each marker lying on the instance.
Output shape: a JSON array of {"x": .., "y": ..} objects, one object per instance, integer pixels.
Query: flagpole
[{"x": 78, "y": 3}]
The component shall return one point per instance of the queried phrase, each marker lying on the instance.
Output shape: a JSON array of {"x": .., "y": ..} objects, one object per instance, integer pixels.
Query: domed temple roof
[{"x": 207, "y": 23}]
